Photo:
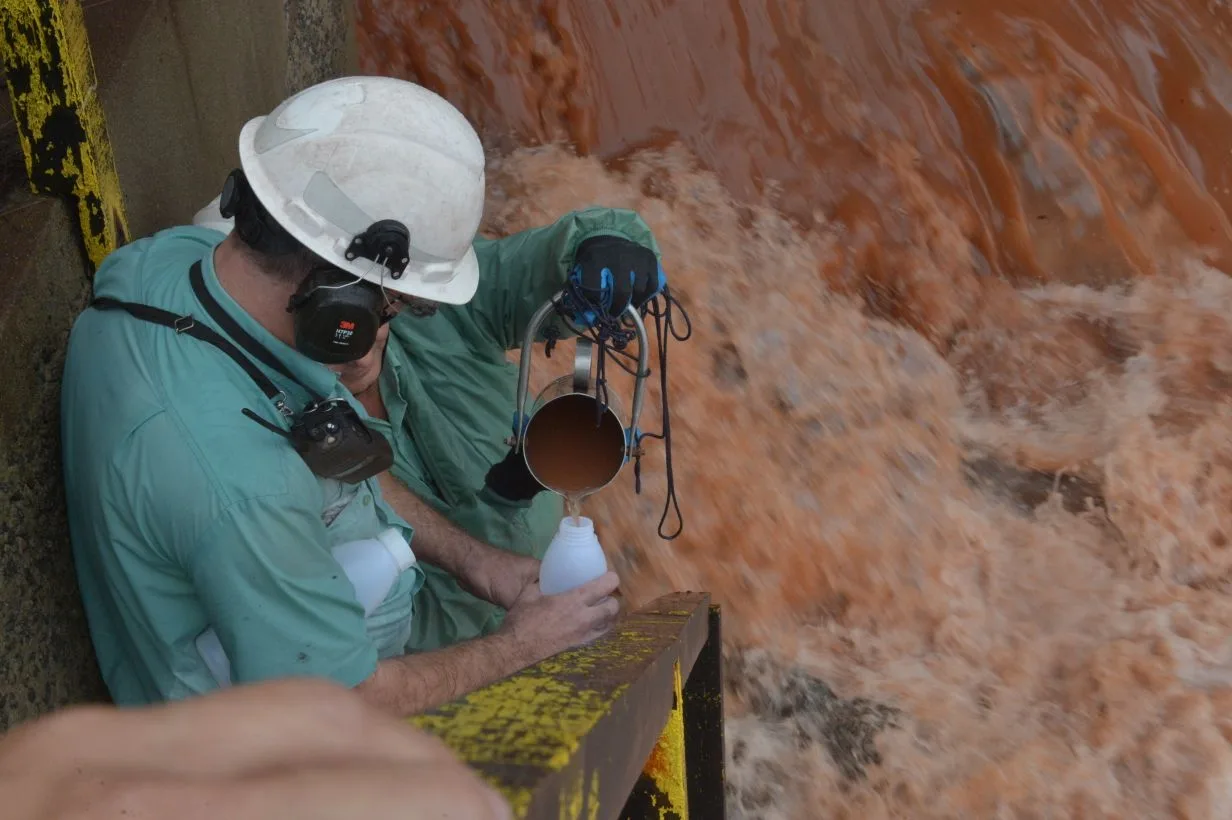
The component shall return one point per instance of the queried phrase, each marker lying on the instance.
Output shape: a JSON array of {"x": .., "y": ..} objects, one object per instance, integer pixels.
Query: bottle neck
[{"x": 580, "y": 534}]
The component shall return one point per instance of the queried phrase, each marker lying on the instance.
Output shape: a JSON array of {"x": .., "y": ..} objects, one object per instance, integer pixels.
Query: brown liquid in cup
[{"x": 568, "y": 451}]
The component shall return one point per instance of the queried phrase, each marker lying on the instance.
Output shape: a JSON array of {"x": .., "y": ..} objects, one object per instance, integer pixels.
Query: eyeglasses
[
  {"x": 394, "y": 301},
  {"x": 417, "y": 307},
  {"x": 422, "y": 308}
]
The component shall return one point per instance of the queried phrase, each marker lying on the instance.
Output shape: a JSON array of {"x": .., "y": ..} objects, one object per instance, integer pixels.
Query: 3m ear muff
[
  {"x": 252, "y": 222},
  {"x": 336, "y": 316}
]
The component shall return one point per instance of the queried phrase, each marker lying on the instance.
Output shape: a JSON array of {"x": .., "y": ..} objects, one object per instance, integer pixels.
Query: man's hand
[
  {"x": 614, "y": 272},
  {"x": 501, "y": 577},
  {"x": 537, "y": 627},
  {"x": 543, "y": 625},
  {"x": 300, "y": 748}
]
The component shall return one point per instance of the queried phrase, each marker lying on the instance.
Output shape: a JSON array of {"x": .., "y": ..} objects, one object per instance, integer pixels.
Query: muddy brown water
[
  {"x": 953, "y": 438},
  {"x": 572, "y": 447}
]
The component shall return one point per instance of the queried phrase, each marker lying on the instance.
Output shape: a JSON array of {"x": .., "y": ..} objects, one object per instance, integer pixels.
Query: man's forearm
[
  {"x": 414, "y": 683},
  {"x": 437, "y": 539}
]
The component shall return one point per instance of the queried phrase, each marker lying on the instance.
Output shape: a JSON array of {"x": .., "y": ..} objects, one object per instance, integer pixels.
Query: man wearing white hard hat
[{"x": 246, "y": 395}]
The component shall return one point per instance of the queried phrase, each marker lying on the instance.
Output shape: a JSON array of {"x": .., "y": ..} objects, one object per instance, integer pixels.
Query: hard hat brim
[{"x": 457, "y": 291}]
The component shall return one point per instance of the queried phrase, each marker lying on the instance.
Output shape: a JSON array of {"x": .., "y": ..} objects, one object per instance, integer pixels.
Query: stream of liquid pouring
[{"x": 952, "y": 438}]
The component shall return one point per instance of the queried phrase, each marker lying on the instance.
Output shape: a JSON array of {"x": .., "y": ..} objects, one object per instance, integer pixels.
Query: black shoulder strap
[
  {"x": 189, "y": 327},
  {"x": 242, "y": 337}
]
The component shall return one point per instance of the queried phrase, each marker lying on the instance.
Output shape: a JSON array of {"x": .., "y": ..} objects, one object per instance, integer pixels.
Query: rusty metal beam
[
  {"x": 661, "y": 792},
  {"x": 570, "y": 737},
  {"x": 45, "y": 55},
  {"x": 684, "y": 776},
  {"x": 703, "y": 726}
]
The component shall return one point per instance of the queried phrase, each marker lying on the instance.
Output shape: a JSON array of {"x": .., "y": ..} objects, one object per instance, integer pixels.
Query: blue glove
[{"x": 612, "y": 272}]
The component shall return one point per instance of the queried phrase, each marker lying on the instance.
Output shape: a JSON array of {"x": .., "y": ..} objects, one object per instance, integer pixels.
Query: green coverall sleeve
[
  {"x": 280, "y": 603},
  {"x": 518, "y": 273}
]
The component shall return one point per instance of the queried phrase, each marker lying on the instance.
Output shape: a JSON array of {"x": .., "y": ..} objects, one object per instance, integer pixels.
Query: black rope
[
  {"x": 612, "y": 335},
  {"x": 602, "y": 397},
  {"x": 617, "y": 354},
  {"x": 665, "y": 329},
  {"x": 550, "y": 336}
]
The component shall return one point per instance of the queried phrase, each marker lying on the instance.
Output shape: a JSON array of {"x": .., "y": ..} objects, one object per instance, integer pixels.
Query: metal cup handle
[
  {"x": 583, "y": 364},
  {"x": 581, "y": 360}
]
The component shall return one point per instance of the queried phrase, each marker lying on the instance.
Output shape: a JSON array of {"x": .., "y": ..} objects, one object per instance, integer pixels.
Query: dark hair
[{"x": 287, "y": 267}]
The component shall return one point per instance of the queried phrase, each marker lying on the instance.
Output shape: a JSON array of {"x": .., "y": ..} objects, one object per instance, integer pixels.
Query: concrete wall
[
  {"x": 177, "y": 79},
  {"x": 45, "y": 652}
]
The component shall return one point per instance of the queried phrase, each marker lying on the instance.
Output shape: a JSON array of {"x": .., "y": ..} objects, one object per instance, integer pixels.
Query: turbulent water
[{"x": 952, "y": 437}]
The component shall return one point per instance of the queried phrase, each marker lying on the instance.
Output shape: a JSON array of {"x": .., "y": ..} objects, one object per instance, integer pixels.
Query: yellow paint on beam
[
  {"x": 529, "y": 729},
  {"x": 45, "y": 52},
  {"x": 580, "y": 799},
  {"x": 536, "y": 718}
]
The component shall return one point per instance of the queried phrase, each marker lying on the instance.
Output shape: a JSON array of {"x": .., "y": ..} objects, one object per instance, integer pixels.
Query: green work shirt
[{"x": 185, "y": 514}]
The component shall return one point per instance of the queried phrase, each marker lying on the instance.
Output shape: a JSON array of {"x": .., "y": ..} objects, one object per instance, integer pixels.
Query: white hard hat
[{"x": 343, "y": 157}]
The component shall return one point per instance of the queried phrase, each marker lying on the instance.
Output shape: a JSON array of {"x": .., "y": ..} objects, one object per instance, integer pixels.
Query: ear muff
[
  {"x": 336, "y": 316},
  {"x": 252, "y": 222}
]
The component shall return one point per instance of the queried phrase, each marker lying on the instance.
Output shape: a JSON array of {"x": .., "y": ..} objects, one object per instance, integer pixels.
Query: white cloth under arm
[{"x": 211, "y": 217}]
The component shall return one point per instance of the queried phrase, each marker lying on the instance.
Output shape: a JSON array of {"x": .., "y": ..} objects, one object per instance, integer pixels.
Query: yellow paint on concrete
[
  {"x": 666, "y": 765},
  {"x": 47, "y": 39}
]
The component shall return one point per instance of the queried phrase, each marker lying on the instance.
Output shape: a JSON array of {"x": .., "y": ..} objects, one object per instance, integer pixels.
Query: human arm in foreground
[{"x": 304, "y": 749}]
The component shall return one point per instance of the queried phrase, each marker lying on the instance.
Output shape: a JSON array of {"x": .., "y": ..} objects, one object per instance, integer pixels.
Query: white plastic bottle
[
  {"x": 573, "y": 558},
  {"x": 372, "y": 565}
]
